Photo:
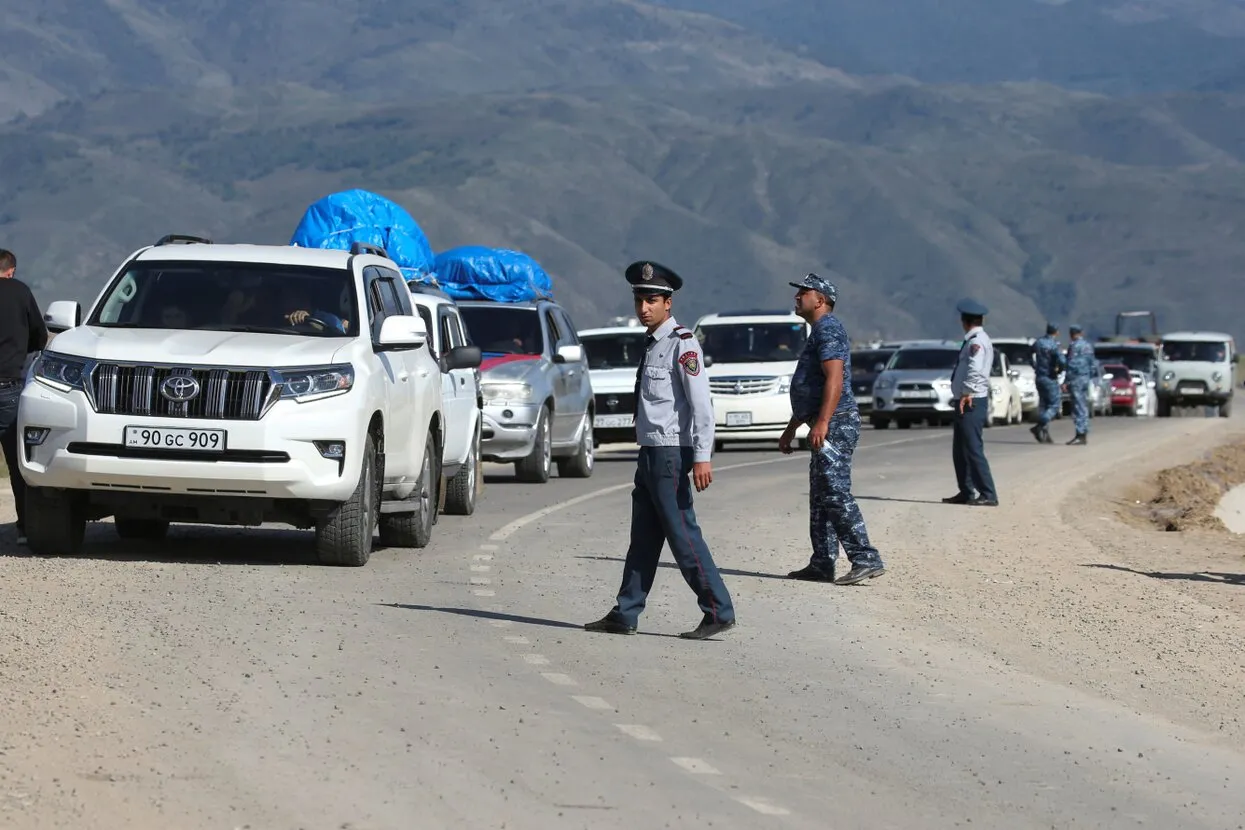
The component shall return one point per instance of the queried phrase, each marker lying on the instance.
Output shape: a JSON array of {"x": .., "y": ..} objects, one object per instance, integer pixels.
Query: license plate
[
  {"x": 1190, "y": 390},
  {"x": 914, "y": 395},
  {"x": 612, "y": 421},
  {"x": 738, "y": 419},
  {"x": 175, "y": 438}
]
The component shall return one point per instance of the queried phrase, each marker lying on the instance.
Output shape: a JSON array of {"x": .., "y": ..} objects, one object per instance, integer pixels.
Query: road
[{"x": 219, "y": 680}]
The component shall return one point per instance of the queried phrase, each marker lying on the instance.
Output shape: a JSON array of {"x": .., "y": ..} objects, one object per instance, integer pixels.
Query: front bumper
[
  {"x": 509, "y": 431},
  {"x": 274, "y": 457},
  {"x": 1200, "y": 392},
  {"x": 752, "y": 417},
  {"x": 901, "y": 404}
]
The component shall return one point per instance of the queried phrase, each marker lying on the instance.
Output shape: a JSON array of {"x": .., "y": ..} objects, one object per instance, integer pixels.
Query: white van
[{"x": 1196, "y": 368}]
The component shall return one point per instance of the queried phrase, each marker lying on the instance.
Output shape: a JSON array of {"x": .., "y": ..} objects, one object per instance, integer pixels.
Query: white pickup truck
[{"x": 237, "y": 385}]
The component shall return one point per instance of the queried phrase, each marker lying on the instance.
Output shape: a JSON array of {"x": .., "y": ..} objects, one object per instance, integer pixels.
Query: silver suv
[
  {"x": 916, "y": 385},
  {"x": 535, "y": 386}
]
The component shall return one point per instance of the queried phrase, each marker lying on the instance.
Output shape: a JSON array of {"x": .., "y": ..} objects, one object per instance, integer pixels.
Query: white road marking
[
  {"x": 484, "y": 592},
  {"x": 696, "y": 766},
  {"x": 501, "y": 623},
  {"x": 480, "y": 580},
  {"x": 523, "y": 521},
  {"x": 536, "y": 659},
  {"x": 518, "y": 638},
  {"x": 762, "y": 805},
  {"x": 591, "y": 702},
  {"x": 488, "y": 547},
  {"x": 638, "y": 731},
  {"x": 559, "y": 679},
  {"x": 481, "y": 568}
]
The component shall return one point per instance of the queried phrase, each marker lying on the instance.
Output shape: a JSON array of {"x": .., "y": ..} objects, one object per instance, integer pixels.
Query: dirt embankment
[{"x": 1185, "y": 497}]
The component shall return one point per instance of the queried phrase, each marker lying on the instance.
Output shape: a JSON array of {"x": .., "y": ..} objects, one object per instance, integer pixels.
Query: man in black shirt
[{"x": 22, "y": 332}]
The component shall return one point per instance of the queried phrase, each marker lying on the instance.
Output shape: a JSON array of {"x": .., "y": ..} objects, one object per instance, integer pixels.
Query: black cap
[{"x": 649, "y": 277}]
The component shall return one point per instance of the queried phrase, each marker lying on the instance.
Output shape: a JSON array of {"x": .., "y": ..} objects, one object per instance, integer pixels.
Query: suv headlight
[
  {"x": 506, "y": 392},
  {"x": 62, "y": 373},
  {"x": 315, "y": 382},
  {"x": 884, "y": 382},
  {"x": 784, "y": 384}
]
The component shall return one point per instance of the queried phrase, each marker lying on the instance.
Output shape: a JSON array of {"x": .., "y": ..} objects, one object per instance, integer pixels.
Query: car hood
[
  {"x": 612, "y": 380},
  {"x": 197, "y": 347},
  {"x": 509, "y": 367}
]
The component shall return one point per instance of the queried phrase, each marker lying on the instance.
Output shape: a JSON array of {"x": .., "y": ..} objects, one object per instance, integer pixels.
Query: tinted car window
[
  {"x": 924, "y": 359},
  {"x": 863, "y": 363},
  {"x": 752, "y": 342},
  {"x": 1018, "y": 354},
  {"x": 1195, "y": 350},
  {"x": 504, "y": 329},
  {"x": 614, "y": 351}
]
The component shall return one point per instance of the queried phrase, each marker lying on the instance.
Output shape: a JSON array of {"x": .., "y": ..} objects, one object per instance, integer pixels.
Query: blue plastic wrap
[
  {"x": 474, "y": 272},
  {"x": 341, "y": 219}
]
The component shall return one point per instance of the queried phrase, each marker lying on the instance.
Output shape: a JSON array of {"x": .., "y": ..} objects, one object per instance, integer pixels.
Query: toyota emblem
[{"x": 179, "y": 388}]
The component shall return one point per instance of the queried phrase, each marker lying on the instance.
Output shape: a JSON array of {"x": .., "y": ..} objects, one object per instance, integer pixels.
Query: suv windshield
[
  {"x": 924, "y": 359},
  {"x": 864, "y": 363},
  {"x": 499, "y": 329},
  {"x": 1199, "y": 350},
  {"x": 1018, "y": 354},
  {"x": 231, "y": 296},
  {"x": 752, "y": 342},
  {"x": 1137, "y": 360},
  {"x": 614, "y": 351}
]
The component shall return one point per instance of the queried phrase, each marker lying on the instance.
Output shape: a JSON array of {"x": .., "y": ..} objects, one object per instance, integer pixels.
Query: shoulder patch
[
  {"x": 974, "y": 348},
  {"x": 690, "y": 361}
]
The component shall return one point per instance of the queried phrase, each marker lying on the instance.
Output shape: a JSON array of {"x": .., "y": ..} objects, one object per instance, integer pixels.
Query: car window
[
  {"x": 924, "y": 359},
  {"x": 504, "y": 329},
  {"x": 752, "y": 342},
  {"x": 569, "y": 335},
  {"x": 614, "y": 351},
  {"x": 456, "y": 328},
  {"x": 1204, "y": 351},
  {"x": 555, "y": 331},
  {"x": 446, "y": 331},
  {"x": 426, "y": 316}
]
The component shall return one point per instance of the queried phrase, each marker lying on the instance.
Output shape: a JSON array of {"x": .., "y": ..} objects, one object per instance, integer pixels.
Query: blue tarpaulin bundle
[
  {"x": 341, "y": 219},
  {"x": 474, "y": 272}
]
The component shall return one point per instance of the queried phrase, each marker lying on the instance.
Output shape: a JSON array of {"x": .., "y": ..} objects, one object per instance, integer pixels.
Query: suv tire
[
  {"x": 55, "y": 522},
  {"x": 580, "y": 464},
  {"x": 344, "y": 537},
  {"x": 152, "y": 530},
  {"x": 1225, "y": 408},
  {"x": 414, "y": 529},
  {"x": 535, "y": 468},
  {"x": 460, "y": 491}
]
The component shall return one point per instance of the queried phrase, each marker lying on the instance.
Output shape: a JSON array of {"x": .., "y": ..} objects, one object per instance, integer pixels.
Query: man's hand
[
  {"x": 784, "y": 441},
  {"x": 817, "y": 434},
  {"x": 702, "y": 475},
  {"x": 296, "y": 317},
  {"x": 966, "y": 402}
]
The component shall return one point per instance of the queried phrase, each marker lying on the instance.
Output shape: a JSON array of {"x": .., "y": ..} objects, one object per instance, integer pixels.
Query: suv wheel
[
  {"x": 580, "y": 464},
  {"x": 460, "y": 491},
  {"x": 414, "y": 529},
  {"x": 1225, "y": 408},
  {"x": 147, "y": 529},
  {"x": 55, "y": 522},
  {"x": 535, "y": 468},
  {"x": 345, "y": 536}
]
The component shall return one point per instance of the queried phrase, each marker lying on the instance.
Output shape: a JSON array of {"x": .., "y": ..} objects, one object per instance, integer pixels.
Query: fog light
[
  {"x": 35, "y": 436},
  {"x": 507, "y": 414},
  {"x": 335, "y": 450}
]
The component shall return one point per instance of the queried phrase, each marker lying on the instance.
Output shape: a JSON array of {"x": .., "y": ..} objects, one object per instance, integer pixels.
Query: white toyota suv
[
  {"x": 750, "y": 357},
  {"x": 236, "y": 385}
]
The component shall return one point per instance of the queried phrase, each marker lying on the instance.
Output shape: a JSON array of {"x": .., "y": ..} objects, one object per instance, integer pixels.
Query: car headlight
[
  {"x": 506, "y": 392},
  {"x": 884, "y": 383},
  {"x": 1168, "y": 375},
  {"x": 62, "y": 373},
  {"x": 1216, "y": 376},
  {"x": 315, "y": 382},
  {"x": 784, "y": 384}
]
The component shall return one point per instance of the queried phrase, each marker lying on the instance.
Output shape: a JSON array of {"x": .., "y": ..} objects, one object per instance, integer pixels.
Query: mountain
[{"x": 655, "y": 133}]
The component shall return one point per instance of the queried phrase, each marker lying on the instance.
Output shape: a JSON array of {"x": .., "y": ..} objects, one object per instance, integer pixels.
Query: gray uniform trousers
[
  {"x": 968, "y": 450},
  {"x": 661, "y": 511}
]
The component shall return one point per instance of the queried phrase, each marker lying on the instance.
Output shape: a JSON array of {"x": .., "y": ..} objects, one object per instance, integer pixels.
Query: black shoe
[
  {"x": 812, "y": 574},
  {"x": 1038, "y": 432},
  {"x": 707, "y": 629},
  {"x": 610, "y": 624},
  {"x": 958, "y": 498},
  {"x": 1079, "y": 438},
  {"x": 981, "y": 501},
  {"x": 859, "y": 573},
  {"x": 1046, "y": 439}
]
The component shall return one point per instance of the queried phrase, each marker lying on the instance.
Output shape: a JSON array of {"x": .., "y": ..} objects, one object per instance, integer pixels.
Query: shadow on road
[
  {"x": 497, "y": 615},
  {"x": 891, "y": 498},
  {"x": 671, "y": 565},
  {"x": 1200, "y": 576},
  {"x": 209, "y": 545}
]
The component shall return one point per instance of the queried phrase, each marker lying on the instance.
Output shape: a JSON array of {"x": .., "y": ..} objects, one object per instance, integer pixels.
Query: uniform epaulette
[{"x": 684, "y": 334}]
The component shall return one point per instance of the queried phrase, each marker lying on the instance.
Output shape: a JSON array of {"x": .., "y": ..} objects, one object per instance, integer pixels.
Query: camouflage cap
[{"x": 812, "y": 282}]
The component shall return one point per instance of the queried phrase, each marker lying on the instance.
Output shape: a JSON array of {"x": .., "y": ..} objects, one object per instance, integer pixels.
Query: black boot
[
  {"x": 1079, "y": 438},
  {"x": 1046, "y": 439},
  {"x": 1038, "y": 430}
]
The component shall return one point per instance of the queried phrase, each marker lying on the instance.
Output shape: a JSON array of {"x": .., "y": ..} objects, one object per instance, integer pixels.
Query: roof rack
[
  {"x": 169, "y": 239},
  {"x": 367, "y": 248}
]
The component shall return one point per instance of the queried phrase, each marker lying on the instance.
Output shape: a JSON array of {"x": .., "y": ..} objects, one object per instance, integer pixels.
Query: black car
[{"x": 867, "y": 364}]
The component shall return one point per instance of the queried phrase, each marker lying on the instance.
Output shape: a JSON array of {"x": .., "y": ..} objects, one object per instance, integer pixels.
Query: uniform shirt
[
  {"x": 1080, "y": 359},
  {"x": 22, "y": 329},
  {"x": 828, "y": 341},
  {"x": 673, "y": 407},
  {"x": 1048, "y": 361},
  {"x": 972, "y": 369}
]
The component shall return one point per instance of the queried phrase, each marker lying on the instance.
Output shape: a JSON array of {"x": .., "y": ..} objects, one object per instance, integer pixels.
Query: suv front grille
[
  {"x": 743, "y": 385},
  {"x": 224, "y": 394},
  {"x": 614, "y": 402}
]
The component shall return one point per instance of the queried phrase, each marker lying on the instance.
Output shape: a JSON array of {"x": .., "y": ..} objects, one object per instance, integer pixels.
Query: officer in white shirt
[
  {"x": 674, "y": 428},
  {"x": 970, "y": 392}
]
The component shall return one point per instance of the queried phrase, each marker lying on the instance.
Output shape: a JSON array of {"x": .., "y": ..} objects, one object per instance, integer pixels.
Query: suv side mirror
[
  {"x": 568, "y": 354},
  {"x": 63, "y": 315},
  {"x": 707, "y": 361},
  {"x": 462, "y": 357},
  {"x": 399, "y": 333}
]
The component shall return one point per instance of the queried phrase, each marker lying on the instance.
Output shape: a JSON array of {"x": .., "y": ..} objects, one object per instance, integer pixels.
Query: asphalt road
[{"x": 220, "y": 680}]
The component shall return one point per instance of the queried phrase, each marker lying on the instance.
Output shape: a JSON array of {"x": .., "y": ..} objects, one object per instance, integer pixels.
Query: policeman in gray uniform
[
  {"x": 674, "y": 428},
  {"x": 970, "y": 392}
]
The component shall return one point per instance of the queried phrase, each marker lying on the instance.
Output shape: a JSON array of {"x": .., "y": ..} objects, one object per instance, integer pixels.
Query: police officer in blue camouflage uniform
[
  {"x": 821, "y": 397},
  {"x": 970, "y": 393},
  {"x": 1048, "y": 363},
  {"x": 674, "y": 427},
  {"x": 1080, "y": 370}
]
